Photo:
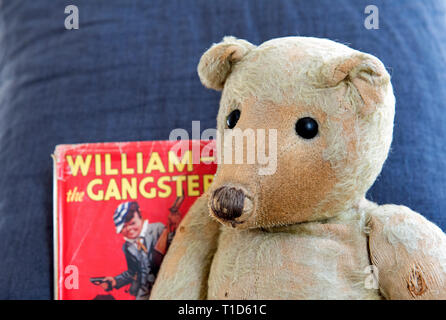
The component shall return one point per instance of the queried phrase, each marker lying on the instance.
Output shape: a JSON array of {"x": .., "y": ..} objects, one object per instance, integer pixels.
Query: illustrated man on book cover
[{"x": 144, "y": 248}]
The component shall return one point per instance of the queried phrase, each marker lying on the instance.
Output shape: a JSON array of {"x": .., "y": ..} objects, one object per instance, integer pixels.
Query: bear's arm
[
  {"x": 409, "y": 253},
  {"x": 184, "y": 271}
]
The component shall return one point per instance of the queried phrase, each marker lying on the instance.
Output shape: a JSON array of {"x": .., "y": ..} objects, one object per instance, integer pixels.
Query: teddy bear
[{"x": 306, "y": 231}]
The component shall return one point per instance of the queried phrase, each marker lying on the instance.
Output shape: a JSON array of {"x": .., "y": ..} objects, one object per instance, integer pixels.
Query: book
[{"x": 116, "y": 209}]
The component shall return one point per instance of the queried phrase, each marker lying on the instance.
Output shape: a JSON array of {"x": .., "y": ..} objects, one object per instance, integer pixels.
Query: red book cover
[{"x": 116, "y": 209}]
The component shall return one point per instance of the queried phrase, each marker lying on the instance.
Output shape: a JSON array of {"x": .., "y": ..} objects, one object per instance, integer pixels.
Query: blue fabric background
[{"x": 129, "y": 73}]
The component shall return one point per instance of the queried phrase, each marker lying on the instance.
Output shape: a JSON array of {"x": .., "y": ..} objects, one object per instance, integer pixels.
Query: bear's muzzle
[{"x": 229, "y": 203}]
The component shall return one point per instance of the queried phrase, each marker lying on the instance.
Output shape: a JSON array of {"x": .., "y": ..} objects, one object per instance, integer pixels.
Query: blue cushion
[{"x": 129, "y": 73}]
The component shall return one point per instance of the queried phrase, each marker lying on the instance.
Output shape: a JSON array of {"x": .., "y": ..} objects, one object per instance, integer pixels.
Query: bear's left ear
[
  {"x": 365, "y": 72},
  {"x": 216, "y": 63}
]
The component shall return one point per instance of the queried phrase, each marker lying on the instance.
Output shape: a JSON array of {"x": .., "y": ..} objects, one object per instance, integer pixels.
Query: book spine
[{"x": 55, "y": 231}]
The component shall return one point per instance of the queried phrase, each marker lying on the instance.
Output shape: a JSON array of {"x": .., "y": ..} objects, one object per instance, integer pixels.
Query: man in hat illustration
[{"x": 144, "y": 248}]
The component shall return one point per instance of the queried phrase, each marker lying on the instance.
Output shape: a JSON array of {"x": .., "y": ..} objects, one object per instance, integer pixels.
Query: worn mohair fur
[{"x": 310, "y": 233}]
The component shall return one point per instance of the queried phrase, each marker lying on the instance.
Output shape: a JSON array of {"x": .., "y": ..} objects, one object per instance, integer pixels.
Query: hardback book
[{"x": 116, "y": 209}]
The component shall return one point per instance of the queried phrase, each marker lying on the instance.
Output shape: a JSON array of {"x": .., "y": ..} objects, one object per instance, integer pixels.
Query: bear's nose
[{"x": 228, "y": 202}]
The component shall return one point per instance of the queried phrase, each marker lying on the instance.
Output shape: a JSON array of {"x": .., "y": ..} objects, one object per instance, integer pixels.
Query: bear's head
[{"x": 325, "y": 112}]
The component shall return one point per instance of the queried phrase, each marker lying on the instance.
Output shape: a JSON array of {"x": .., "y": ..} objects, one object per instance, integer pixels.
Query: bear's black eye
[
  {"x": 306, "y": 128},
  {"x": 232, "y": 119}
]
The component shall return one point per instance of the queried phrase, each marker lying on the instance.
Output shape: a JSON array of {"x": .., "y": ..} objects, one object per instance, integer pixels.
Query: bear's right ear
[{"x": 216, "y": 63}]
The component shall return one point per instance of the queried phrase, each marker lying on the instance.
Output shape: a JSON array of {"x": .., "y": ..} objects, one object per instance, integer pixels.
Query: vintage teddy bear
[{"x": 306, "y": 231}]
